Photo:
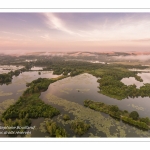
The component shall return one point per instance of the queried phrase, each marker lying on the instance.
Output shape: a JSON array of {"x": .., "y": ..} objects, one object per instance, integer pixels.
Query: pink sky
[{"x": 29, "y": 32}]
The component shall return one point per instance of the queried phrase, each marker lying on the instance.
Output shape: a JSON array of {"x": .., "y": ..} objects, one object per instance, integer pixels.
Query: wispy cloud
[
  {"x": 118, "y": 31},
  {"x": 5, "y": 32},
  {"x": 56, "y": 23},
  {"x": 100, "y": 27},
  {"x": 46, "y": 37}
]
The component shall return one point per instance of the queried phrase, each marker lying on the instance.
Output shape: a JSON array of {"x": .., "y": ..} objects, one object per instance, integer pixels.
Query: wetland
[{"x": 50, "y": 95}]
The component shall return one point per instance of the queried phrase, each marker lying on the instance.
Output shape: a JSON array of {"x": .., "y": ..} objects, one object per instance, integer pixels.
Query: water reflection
[
  {"x": 18, "y": 85},
  {"x": 85, "y": 86},
  {"x": 132, "y": 80},
  {"x": 75, "y": 90}
]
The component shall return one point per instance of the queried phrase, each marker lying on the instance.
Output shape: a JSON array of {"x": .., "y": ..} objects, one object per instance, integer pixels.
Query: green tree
[
  {"x": 114, "y": 108},
  {"x": 134, "y": 115}
]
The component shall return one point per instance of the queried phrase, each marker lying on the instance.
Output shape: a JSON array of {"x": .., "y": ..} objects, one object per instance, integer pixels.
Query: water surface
[
  {"x": 132, "y": 80},
  {"x": 85, "y": 86},
  {"x": 68, "y": 95}
]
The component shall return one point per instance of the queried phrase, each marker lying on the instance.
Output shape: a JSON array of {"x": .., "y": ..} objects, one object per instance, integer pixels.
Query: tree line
[{"x": 113, "y": 110}]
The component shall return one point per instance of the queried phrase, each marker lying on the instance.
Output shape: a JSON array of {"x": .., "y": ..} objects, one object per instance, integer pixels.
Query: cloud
[
  {"x": 101, "y": 26},
  {"x": 46, "y": 37},
  {"x": 56, "y": 23},
  {"x": 115, "y": 31},
  {"x": 5, "y": 32}
]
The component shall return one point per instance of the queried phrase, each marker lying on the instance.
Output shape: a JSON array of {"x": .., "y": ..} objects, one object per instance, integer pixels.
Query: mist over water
[
  {"x": 133, "y": 57},
  {"x": 115, "y": 54}
]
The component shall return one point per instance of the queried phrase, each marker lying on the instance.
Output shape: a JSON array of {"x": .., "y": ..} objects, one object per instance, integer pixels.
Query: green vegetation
[
  {"x": 134, "y": 115},
  {"x": 111, "y": 85},
  {"x": 131, "y": 118},
  {"x": 54, "y": 130},
  {"x": 137, "y": 123},
  {"x": 73, "y": 72},
  {"x": 66, "y": 117},
  {"x": 79, "y": 127},
  {"x": 6, "y": 78},
  {"x": 146, "y": 120},
  {"x": 17, "y": 123},
  {"x": 110, "y": 76},
  {"x": 99, "y": 123},
  {"x": 6, "y": 104},
  {"x": 29, "y": 105}
]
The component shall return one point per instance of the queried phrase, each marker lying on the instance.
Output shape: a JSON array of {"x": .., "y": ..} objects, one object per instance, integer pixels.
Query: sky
[{"x": 67, "y": 32}]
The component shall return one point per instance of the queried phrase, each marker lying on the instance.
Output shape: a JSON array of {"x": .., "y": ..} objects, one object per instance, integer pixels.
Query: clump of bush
[
  {"x": 66, "y": 117},
  {"x": 79, "y": 127},
  {"x": 54, "y": 130}
]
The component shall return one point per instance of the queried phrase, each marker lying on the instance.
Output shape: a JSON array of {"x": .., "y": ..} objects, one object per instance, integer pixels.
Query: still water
[
  {"x": 18, "y": 85},
  {"x": 132, "y": 80},
  {"x": 10, "y": 93},
  {"x": 68, "y": 95},
  {"x": 8, "y": 68},
  {"x": 85, "y": 86}
]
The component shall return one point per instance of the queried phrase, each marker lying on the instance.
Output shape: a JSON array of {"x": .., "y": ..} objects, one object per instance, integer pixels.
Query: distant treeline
[
  {"x": 110, "y": 75},
  {"x": 6, "y": 78}
]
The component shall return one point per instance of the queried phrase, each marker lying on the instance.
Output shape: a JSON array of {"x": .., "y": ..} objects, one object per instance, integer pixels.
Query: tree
[
  {"x": 134, "y": 115},
  {"x": 114, "y": 108},
  {"x": 146, "y": 120}
]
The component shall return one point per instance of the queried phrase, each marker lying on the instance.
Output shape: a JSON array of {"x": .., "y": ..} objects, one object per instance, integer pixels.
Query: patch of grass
[{"x": 95, "y": 119}]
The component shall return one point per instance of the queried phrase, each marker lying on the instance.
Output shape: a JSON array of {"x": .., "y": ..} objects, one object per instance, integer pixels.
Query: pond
[{"x": 68, "y": 95}]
